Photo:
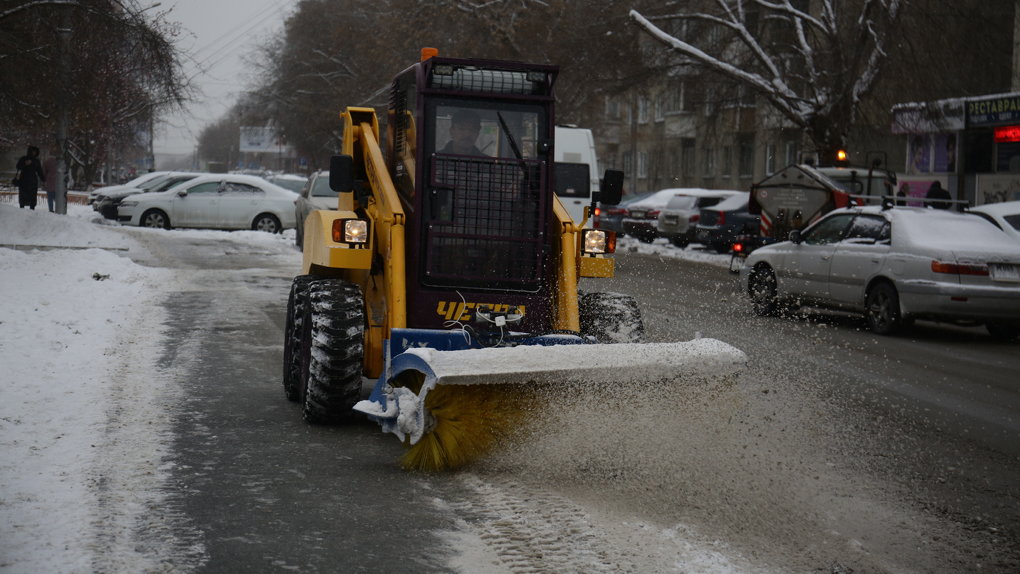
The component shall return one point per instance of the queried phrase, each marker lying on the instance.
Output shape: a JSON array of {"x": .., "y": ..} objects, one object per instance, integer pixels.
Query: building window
[
  {"x": 709, "y": 164},
  {"x": 687, "y": 157},
  {"x": 642, "y": 106},
  {"x": 612, "y": 108},
  {"x": 745, "y": 156},
  {"x": 727, "y": 161},
  {"x": 770, "y": 159},
  {"x": 660, "y": 105},
  {"x": 676, "y": 98},
  {"x": 791, "y": 152},
  {"x": 642, "y": 165}
]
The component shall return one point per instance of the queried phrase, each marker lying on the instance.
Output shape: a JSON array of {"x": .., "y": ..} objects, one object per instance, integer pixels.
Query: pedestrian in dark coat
[{"x": 30, "y": 173}]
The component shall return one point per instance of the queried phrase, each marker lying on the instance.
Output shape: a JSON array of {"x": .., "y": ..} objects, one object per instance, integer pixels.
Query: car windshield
[
  {"x": 154, "y": 182},
  {"x": 682, "y": 202},
  {"x": 732, "y": 203},
  {"x": 321, "y": 187}
]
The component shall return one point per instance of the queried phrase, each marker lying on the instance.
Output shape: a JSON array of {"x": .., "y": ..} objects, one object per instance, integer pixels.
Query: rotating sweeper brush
[{"x": 450, "y": 269}]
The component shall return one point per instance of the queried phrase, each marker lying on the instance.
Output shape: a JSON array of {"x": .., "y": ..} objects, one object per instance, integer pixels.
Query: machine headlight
[
  {"x": 598, "y": 241},
  {"x": 354, "y": 231},
  {"x": 128, "y": 203}
]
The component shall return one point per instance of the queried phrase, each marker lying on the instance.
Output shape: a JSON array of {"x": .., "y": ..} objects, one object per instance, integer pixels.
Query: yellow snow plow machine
[{"x": 449, "y": 271}]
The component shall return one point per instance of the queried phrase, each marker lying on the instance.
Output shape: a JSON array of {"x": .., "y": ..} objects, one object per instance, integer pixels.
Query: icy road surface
[{"x": 111, "y": 370}]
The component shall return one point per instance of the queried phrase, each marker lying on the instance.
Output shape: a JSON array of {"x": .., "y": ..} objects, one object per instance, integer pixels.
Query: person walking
[
  {"x": 50, "y": 171},
  {"x": 30, "y": 173}
]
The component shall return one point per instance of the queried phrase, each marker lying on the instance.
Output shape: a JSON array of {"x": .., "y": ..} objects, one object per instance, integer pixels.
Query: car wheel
[
  {"x": 1003, "y": 331},
  {"x": 154, "y": 218},
  {"x": 763, "y": 289},
  {"x": 267, "y": 222},
  {"x": 680, "y": 241},
  {"x": 882, "y": 309}
]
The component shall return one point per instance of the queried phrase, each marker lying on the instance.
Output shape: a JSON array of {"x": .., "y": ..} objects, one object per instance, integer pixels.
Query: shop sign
[{"x": 994, "y": 110}]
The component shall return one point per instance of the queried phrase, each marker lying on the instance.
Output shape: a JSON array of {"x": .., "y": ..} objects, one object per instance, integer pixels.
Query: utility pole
[{"x": 63, "y": 102}]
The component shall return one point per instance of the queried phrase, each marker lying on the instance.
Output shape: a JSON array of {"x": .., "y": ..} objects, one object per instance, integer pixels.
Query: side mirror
[
  {"x": 611, "y": 191},
  {"x": 795, "y": 236},
  {"x": 341, "y": 173}
]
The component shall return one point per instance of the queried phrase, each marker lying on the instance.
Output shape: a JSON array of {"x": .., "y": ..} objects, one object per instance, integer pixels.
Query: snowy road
[{"x": 830, "y": 454}]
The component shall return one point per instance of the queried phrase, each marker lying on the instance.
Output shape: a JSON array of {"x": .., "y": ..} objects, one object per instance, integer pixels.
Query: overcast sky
[{"x": 216, "y": 36}]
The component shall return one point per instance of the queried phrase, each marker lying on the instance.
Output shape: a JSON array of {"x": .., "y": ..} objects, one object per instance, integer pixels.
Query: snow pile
[{"x": 61, "y": 313}]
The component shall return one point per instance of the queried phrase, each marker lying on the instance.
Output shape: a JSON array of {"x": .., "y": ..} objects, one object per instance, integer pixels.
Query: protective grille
[{"x": 486, "y": 227}]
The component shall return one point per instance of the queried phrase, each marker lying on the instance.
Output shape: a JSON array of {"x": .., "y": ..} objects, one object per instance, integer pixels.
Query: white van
[{"x": 577, "y": 170}]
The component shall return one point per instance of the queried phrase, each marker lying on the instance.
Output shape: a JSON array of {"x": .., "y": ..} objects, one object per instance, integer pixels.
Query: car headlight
[
  {"x": 351, "y": 231},
  {"x": 598, "y": 241},
  {"x": 128, "y": 203}
]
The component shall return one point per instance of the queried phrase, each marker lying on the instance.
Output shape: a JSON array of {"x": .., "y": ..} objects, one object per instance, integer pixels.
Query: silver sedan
[
  {"x": 893, "y": 265},
  {"x": 214, "y": 201}
]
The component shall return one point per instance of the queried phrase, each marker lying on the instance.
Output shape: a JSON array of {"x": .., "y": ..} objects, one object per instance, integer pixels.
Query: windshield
[
  {"x": 321, "y": 187},
  {"x": 492, "y": 130},
  {"x": 682, "y": 202},
  {"x": 154, "y": 182}
]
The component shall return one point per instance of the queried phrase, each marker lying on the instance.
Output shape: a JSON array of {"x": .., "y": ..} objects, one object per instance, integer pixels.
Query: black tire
[
  {"x": 332, "y": 346},
  {"x": 882, "y": 309},
  {"x": 299, "y": 237},
  {"x": 680, "y": 241},
  {"x": 267, "y": 222},
  {"x": 155, "y": 218},
  {"x": 1003, "y": 331},
  {"x": 297, "y": 301},
  {"x": 611, "y": 318},
  {"x": 763, "y": 290}
]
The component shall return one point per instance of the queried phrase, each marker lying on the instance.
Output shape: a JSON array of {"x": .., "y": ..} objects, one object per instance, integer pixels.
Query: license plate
[
  {"x": 1004, "y": 272},
  {"x": 671, "y": 219},
  {"x": 637, "y": 214}
]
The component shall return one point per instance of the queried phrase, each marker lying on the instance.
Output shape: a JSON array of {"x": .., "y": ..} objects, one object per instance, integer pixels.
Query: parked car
[
  {"x": 611, "y": 216},
  {"x": 720, "y": 225},
  {"x": 894, "y": 265},
  {"x": 1005, "y": 216},
  {"x": 640, "y": 220},
  {"x": 315, "y": 195},
  {"x": 107, "y": 201},
  {"x": 214, "y": 201},
  {"x": 132, "y": 184},
  {"x": 289, "y": 181},
  {"x": 678, "y": 218}
]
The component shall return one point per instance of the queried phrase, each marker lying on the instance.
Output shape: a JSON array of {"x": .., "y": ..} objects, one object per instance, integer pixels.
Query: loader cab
[{"x": 470, "y": 154}]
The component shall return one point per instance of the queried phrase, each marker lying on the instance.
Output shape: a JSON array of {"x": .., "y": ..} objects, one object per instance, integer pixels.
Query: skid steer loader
[{"x": 449, "y": 272}]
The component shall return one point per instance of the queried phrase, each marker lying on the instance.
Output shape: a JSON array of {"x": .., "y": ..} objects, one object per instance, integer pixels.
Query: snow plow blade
[{"x": 403, "y": 405}]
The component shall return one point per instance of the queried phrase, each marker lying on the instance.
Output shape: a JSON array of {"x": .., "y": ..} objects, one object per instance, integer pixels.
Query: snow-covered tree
[{"x": 812, "y": 60}]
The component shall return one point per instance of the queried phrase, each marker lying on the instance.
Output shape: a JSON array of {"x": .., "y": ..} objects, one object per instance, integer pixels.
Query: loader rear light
[
  {"x": 738, "y": 248},
  {"x": 351, "y": 231},
  {"x": 958, "y": 268},
  {"x": 598, "y": 242}
]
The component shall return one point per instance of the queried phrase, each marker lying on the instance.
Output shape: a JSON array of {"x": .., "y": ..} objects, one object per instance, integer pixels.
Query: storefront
[{"x": 968, "y": 146}]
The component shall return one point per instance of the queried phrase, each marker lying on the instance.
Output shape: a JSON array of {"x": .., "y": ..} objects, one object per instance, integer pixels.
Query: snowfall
[{"x": 60, "y": 277}]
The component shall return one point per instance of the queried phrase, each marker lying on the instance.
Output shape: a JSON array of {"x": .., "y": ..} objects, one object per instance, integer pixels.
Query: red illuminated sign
[{"x": 1007, "y": 134}]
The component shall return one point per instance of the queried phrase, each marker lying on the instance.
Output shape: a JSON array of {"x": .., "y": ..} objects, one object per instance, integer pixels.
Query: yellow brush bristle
[{"x": 469, "y": 421}]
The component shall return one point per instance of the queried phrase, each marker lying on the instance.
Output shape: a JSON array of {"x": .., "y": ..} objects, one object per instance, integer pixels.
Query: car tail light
[
  {"x": 616, "y": 211},
  {"x": 722, "y": 218},
  {"x": 958, "y": 268},
  {"x": 738, "y": 248},
  {"x": 695, "y": 217},
  {"x": 652, "y": 214}
]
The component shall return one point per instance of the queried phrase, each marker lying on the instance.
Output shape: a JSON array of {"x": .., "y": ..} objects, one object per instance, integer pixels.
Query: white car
[
  {"x": 213, "y": 201},
  {"x": 1005, "y": 216},
  {"x": 894, "y": 265},
  {"x": 130, "y": 185},
  {"x": 316, "y": 195}
]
